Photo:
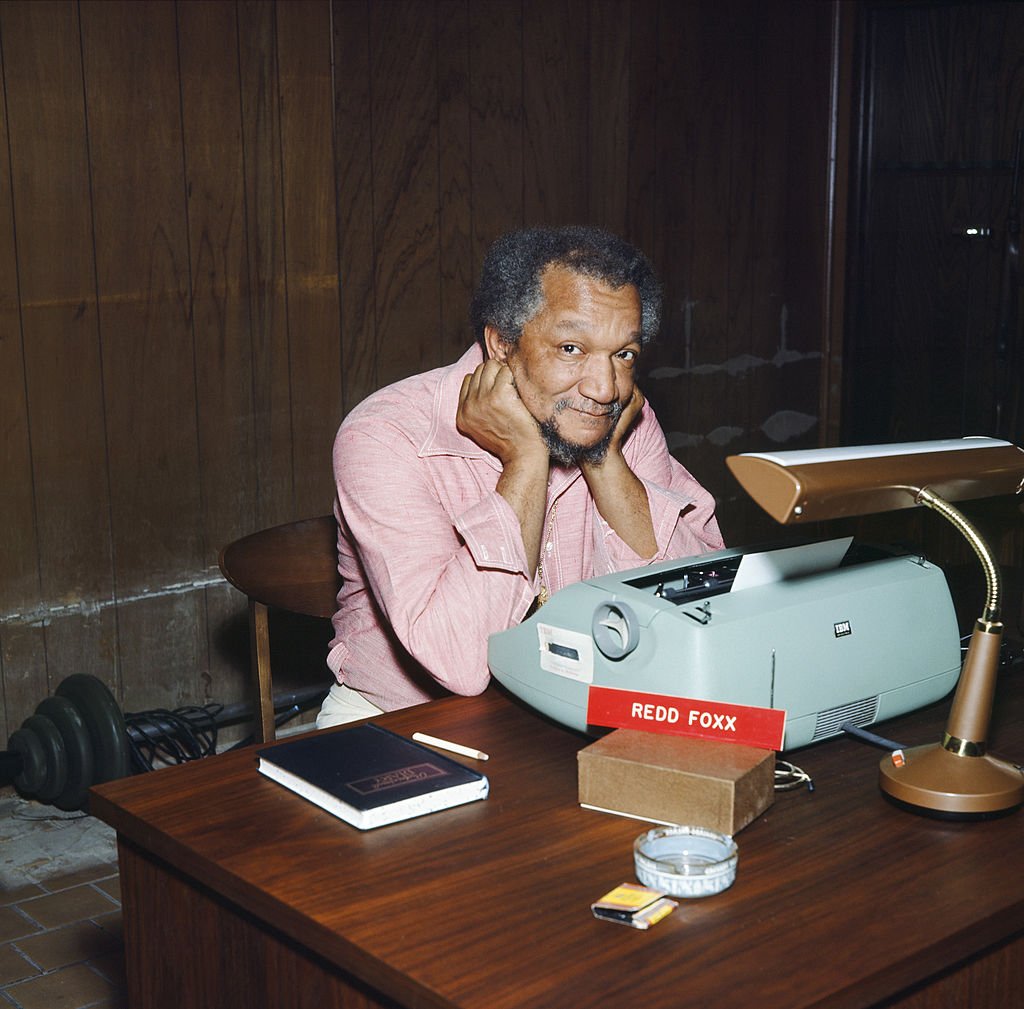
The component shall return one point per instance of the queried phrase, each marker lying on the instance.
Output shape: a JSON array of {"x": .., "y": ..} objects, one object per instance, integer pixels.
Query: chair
[{"x": 291, "y": 567}]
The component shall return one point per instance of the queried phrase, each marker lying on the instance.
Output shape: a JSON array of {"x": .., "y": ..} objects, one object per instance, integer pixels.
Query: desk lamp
[{"x": 955, "y": 777}]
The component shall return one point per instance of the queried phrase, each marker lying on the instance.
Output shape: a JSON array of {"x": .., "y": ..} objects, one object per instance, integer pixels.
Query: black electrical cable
[
  {"x": 160, "y": 737},
  {"x": 880, "y": 741},
  {"x": 870, "y": 737},
  {"x": 280, "y": 719}
]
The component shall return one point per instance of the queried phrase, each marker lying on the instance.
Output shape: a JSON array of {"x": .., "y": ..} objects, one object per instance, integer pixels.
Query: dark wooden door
[{"x": 934, "y": 341}]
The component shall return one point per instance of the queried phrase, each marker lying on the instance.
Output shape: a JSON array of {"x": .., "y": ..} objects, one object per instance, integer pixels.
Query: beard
[{"x": 572, "y": 453}]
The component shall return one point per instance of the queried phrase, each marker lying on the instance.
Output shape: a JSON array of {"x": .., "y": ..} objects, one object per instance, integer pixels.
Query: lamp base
[{"x": 935, "y": 779}]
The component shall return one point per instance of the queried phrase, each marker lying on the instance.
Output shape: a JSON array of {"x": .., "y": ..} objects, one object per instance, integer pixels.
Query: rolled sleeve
[{"x": 491, "y": 532}]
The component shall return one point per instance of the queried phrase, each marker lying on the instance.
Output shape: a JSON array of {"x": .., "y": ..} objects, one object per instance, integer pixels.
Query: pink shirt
[{"x": 432, "y": 556}]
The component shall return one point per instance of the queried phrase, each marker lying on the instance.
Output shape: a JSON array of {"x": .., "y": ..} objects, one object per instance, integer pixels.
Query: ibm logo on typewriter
[{"x": 843, "y": 629}]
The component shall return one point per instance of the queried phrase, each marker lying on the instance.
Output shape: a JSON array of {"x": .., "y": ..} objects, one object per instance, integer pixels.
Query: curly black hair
[{"x": 509, "y": 293}]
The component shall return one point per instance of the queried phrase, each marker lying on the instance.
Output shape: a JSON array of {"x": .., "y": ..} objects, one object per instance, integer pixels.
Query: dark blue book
[{"x": 370, "y": 776}]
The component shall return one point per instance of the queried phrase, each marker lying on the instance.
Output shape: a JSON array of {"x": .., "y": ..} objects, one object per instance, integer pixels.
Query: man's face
[{"x": 574, "y": 363}]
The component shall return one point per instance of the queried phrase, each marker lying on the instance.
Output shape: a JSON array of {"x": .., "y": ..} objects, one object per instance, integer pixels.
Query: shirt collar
[{"x": 444, "y": 437}]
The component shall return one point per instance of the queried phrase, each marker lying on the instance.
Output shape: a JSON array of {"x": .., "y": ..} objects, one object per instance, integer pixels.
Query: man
[{"x": 469, "y": 494}]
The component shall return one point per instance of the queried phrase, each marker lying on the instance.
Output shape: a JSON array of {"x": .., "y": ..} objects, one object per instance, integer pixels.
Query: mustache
[{"x": 613, "y": 410}]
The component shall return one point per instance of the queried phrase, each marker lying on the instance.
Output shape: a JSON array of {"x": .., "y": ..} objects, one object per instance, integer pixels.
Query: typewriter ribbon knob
[{"x": 615, "y": 629}]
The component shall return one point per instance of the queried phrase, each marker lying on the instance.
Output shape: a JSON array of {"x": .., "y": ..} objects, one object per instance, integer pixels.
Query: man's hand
[
  {"x": 630, "y": 414},
  {"x": 493, "y": 415},
  {"x": 620, "y": 497}
]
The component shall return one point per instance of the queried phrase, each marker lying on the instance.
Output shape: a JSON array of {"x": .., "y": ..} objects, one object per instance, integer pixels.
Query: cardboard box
[{"x": 675, "y": 779}]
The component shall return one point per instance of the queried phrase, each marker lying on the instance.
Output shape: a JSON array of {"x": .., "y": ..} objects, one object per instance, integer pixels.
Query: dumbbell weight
[
  {"x": 75, "y": 739},
  {"x": 55, "y": 757},
  {"x": 31, "y": 773},
  {"x": 105, "y": 723},
  {"x": 77, "y": 747}
]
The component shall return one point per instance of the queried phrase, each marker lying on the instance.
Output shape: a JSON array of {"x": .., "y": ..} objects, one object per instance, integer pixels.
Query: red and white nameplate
[{"x": 684, "y": 716}]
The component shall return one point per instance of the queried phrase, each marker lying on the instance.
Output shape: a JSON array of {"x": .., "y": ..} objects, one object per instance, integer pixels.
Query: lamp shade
[
  {"x": 956, "y": 777},
  {"x": 814, "y": 484}
]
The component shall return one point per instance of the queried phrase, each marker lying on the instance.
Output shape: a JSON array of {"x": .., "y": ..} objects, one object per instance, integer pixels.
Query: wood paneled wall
[{"x": 223, "y": 224}]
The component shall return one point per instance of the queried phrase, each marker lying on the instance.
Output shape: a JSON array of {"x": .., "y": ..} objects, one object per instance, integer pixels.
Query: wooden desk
[{"x": 236, "y": 892}]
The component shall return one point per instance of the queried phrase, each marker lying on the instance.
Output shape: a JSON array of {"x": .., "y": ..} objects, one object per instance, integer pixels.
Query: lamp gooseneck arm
[
  {"x": 967, "y": 728},
  {"x": 978, "y": 544}
]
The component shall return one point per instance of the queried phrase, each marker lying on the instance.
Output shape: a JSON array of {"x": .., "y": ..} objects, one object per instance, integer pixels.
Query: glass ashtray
[{"x": 686, "y": 861}]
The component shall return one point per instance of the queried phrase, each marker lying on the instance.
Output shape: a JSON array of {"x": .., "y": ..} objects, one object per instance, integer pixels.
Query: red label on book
[{"x": 684, "y": 716}]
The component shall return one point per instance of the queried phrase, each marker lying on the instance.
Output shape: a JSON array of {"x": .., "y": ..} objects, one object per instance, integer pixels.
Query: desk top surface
[{"x": 841, "y": 899}]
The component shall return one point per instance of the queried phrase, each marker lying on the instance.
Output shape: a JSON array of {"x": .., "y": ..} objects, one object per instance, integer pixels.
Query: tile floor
[
  {"x": 60, "y": 910},
  {"x": 60, "y": 903}
]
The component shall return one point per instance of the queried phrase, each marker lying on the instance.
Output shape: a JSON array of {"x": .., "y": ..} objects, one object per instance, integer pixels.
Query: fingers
[
  {"x": 636, "y": 403},
  {"x": 482, "y": 379},
  {"x": 490, "y": 411},
  {"x": 489, "y": 384},
  {"x": 470, "y": 386},
  {"x": 628, "y": 417},
  {"x": 631, "y": 409}
]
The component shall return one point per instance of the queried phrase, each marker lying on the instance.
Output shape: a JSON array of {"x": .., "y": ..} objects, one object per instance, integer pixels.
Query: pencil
[{"x": 443, "y": 744}]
